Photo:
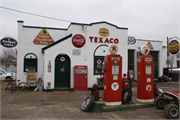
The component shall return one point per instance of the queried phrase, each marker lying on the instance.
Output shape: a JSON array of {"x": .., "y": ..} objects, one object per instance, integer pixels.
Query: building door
[
  {"x": 155, "y": 56},
  {"x": 62, "y": 72},
  {"x": 131, "y": 60}
]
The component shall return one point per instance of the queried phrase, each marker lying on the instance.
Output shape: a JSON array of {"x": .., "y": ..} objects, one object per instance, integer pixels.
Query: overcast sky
[{"x": 145, "y": 19}]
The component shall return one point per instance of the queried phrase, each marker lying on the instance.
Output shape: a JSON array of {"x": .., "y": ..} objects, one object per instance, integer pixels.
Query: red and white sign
[
  {"x": 99, "y": 61},
  {"x": 62, "y": 59},
  {"x": 43, "y": 38},
  {"x": 113, "y": 48},
  {"x": 145, "y": 50},
  {"x": 78, "y": 40}
]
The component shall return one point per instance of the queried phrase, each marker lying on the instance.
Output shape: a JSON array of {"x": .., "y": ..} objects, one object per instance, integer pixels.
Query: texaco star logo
[{"x": 113, "y": 48}]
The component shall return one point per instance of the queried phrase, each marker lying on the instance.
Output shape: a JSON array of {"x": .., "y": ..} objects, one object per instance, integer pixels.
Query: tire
[
  {"x": 160, "y": 102},
  {"x": 126, "y": 95},
  {"x": 87, "y": 103},
  {"x": 165, "y": 78},
  {"x": 171, "y": 111},
  {"x": 23, "y": 87}
]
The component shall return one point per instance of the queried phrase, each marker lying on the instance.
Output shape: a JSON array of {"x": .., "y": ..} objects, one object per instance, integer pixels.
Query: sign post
[{"x": 172, "y": 47}]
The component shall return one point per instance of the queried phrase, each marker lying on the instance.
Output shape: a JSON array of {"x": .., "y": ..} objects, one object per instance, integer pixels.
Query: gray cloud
[{"x": 147, "y": 19}]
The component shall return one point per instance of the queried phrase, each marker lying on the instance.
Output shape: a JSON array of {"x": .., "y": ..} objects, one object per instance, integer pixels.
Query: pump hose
[{"x": 129, "y": 96}]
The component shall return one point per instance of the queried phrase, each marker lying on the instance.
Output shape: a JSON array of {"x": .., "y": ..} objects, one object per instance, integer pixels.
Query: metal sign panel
[
  {"x": 43, "y": 38},
  {"x": 8, "y": 42},
  {"x": 173, "y": 47},
  {"x": 148, "y": 59}
]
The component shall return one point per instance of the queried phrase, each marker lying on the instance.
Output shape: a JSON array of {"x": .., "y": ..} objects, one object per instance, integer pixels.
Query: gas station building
[{"x": 54, "y": 52}]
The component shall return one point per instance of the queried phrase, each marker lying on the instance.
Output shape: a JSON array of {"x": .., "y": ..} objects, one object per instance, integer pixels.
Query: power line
[{"x": 35, "y": 14}]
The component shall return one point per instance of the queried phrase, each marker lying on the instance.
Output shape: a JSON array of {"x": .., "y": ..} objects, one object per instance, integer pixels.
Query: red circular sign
[
  {"x": 99, "y": 61},
  {"x": 78, "y": 40}
]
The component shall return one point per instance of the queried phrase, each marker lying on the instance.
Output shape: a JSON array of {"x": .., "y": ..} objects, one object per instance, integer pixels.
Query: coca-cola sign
[{"x": 78, "y": 40}]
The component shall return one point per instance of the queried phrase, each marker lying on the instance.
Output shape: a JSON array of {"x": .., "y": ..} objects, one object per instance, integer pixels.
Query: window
[
  {"x": 30, "y": 62},
  {"x": 98, "y": 61}
]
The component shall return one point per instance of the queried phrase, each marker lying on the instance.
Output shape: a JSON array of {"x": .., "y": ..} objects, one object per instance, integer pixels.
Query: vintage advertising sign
[
  {"x": 173, "y": 47},
  {"x": 113, "y": 48},
  {"x": 98, "y": 64},
  {"x": 115, "y": 86},
  {"x": 78, "y": 40},
  {"x": 31, "y": 77},
  {"x": 104, "y": 32},
  {"x": 149, "y": 45},
  {"x": 8, "y": 42},
  {"x": 43, "y": 38},
  {"x": 148, "y": 87},
  {"x": 145, "y": 50},
  {"x": 131, "y": 40},
  {"x": 62, "y": 59},
  {"x": 76, "y": 52}
]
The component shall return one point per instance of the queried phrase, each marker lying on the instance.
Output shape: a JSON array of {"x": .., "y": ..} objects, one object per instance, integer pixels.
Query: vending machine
[
  {"x": 145, "y": 76},
  {"x": 112, "y": 78},
  {"x": 80, "y": 77}
]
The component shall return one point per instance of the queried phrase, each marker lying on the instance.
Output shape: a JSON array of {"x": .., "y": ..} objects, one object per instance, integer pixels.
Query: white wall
[
  {"x": 157, "y": 46},
  {"x": 87, "y": 51},
  {"x": 26, "y": 35}
]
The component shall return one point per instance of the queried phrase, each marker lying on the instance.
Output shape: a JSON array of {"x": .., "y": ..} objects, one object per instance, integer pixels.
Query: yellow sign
[
  {"x": 149, "y": 45},
  {"x": 173, "y": 47},
  {"x": 31, "y": 77},
  {"x": 43, "y": 38},
  {"x": 148, "y": 87},
  {"x": 104, "y": 32}
]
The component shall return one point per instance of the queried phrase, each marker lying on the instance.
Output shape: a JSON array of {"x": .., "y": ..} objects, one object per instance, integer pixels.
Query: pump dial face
[{"x": 148, "y": 69}]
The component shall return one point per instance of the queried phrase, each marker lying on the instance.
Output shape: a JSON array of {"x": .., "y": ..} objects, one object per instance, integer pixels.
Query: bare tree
[{"x": 8, "y": 53}]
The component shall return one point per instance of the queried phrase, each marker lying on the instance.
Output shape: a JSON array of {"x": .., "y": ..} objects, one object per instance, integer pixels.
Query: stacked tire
[
  {"x": 164, "y": 78},
  {"x": 175, "y": 76},
  {"x": 166, "y": 71}
]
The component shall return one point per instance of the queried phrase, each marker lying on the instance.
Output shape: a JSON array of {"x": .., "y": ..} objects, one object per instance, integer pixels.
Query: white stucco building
[{"x": 79, "y": 44}]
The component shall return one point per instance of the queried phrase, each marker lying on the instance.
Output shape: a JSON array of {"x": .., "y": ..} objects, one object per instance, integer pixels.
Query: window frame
[
  {"x": 34, "y": 58},
  {"x": 95, "y": 65}
]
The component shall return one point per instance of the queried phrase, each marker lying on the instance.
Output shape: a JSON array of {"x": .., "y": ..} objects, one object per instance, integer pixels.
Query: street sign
[{"x": 8, "y": 42}]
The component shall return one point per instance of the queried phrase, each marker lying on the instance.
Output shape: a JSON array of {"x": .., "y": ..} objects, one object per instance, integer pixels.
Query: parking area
[{"x": 47, "y": 105}]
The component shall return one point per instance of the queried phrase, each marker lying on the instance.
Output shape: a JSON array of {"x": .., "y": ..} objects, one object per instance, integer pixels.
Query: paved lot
[{"x": 46, "y": 105}]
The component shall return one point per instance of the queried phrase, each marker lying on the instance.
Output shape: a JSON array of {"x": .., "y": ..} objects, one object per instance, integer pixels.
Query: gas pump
[
  {"x": 145, "y": 76},
  {"x": 112, "y": 77}
]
